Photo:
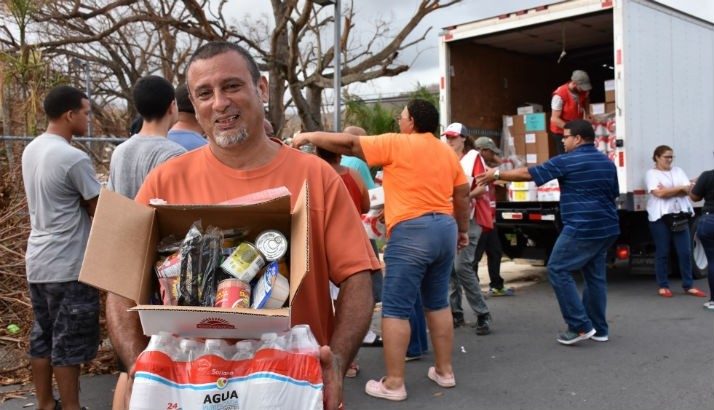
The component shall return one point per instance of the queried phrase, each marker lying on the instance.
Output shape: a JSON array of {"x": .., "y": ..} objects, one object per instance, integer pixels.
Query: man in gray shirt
[
  {"x": 61, "y": 188},
  {"x": 132, "y": 160}
]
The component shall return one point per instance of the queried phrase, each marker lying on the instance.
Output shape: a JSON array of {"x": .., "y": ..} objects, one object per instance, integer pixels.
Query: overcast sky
[{"x": 424, "y": 57}]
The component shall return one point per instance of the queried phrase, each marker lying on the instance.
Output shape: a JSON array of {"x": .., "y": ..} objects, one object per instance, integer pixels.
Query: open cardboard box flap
[{"x": 121, "y": 253}]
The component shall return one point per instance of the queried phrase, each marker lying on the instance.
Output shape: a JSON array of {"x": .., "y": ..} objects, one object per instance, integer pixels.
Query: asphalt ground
[{"x": 660, "y": 356}]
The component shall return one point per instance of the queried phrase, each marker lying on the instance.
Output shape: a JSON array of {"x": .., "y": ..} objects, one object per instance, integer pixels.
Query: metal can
[
  {"x": 244, "y": 263},
  {"x": 272, "y": 244},
  {"x": 233, "y": 293}
]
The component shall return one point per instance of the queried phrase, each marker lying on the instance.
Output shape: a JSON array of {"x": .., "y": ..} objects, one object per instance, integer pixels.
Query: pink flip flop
[
  {"x": 442, "y": 381},
  {"x": 376, "y": 388}
]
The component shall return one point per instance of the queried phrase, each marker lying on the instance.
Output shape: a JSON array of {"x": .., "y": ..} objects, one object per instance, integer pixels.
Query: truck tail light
[{"x": 623, "y": 252}]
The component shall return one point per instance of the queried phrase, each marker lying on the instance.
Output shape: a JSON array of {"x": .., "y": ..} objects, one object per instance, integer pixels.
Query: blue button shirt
[{"x": 588, "y": 188}]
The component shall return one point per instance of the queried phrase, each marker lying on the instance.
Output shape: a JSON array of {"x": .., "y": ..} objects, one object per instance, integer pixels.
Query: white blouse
[{"x": 656, "y": 207}]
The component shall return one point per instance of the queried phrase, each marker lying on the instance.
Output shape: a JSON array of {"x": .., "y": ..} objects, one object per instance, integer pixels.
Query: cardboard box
[
  {"x": 522, "y": 195},
  {"x": 610, "y": 107},
  {"x": 515, "y": 124},
  {"x": 376, "y": 197},
  {"x": 539, "y": 147},
  {"x": 121, "y": 253},
  {"x": 610, "y": 91},
  {"x": 529, "y": 108},
  {"x": 597, "y": 108}
]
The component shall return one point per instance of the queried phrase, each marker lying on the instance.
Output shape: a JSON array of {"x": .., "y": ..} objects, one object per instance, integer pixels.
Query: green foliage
[
  {"x": 374, "y": 118},
  {"x": 423, "y": 93}
]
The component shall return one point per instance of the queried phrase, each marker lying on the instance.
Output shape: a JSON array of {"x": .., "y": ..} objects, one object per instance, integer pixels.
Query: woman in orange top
[{"x": 426, "y": 212}]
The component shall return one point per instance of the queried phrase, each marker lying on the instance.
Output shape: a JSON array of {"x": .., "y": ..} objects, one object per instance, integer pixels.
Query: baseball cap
[
  {"x": 486, "y": 143},
  {"x": 582, "y": 79},
  {"x": 455, "y": 129}
]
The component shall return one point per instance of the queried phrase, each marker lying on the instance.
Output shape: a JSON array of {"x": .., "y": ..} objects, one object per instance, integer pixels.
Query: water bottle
[
  {"x": 215, "y": 347},
  {"x": 301, "y": 340},
  {"x": 163, "y": 342},
  {"x": 244, "y": 350},
  {"x": 189, "y": 349},
  {"x": 271, "y": 341}
]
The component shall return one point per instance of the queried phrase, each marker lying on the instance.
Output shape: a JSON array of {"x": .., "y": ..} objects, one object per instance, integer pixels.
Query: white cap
[{"x": 455, "y": 129}]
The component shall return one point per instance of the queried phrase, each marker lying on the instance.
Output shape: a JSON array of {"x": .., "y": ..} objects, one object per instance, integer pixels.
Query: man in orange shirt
[
  {"x": 228, "y": 93},
  {"x": 421, "y": 177}
]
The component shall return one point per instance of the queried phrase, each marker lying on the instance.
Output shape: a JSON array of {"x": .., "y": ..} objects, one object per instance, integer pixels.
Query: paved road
[{"x": 660, "y": 356}]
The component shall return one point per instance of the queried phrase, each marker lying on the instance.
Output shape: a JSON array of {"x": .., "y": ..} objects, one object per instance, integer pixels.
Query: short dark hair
[
  {"x": 182, "y": 101},
  {"x": 61, "y": 99},
  {"x": 659, "y": 151},
  {"x": 582, "y": 128},
  {"x": 136, "y": 125},
  {"x": 424, "y": 114},
  {"x": 215, "y": 48},
  {"x": 329, "y": 156},
  {"x": 152, "y": 97}
]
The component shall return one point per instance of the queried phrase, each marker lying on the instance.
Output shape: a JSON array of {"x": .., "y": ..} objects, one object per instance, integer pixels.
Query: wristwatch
[{"x": 497, "y": 175}]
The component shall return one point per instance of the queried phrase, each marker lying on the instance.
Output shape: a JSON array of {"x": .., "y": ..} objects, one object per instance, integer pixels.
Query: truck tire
[{"x": 699, "y": 258}]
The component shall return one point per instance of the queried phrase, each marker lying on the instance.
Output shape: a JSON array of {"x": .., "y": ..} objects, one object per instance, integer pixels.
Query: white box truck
[{"x": 662, "y": 63}]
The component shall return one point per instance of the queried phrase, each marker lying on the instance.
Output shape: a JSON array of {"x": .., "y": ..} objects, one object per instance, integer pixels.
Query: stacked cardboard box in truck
[{"x": 530, "y": 137}]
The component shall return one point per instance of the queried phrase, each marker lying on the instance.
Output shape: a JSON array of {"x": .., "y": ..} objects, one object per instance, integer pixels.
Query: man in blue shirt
[
  {"x": 186, "y": 132},
  {"x": 588, "y": 188}
]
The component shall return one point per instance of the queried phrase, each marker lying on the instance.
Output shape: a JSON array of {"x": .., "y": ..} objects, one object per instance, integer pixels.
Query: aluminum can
[
  {"x": 272, "y": 244},
  {"x": 244, "y": 263},
  {"x": 233, "y": 293}
]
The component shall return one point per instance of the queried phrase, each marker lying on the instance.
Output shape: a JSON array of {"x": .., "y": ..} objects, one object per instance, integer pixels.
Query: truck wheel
[{"x": 699, "y": 258}]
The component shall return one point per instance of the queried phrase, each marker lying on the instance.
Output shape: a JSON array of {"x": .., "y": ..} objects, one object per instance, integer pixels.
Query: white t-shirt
[
  {"x": 656, "y": 207},
  {"x": 467, "y": 163}
]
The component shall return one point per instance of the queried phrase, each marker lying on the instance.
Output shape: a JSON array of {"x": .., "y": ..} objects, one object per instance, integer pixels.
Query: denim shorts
[
  {"x": 419, "y": 258},
  {"x": 66, "y": 326}
]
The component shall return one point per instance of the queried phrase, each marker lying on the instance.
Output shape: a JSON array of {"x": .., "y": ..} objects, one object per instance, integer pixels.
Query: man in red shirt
[{"x": 570, "y": 102}]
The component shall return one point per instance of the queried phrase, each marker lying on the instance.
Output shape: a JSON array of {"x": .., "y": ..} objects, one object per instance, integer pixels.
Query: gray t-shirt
[
  {"x": 133, "y": 159},
  {"x": 56, "y": 177}
]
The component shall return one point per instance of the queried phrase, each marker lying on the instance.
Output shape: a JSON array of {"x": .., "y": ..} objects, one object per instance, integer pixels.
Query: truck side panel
[{"x": 668, "y": 74}]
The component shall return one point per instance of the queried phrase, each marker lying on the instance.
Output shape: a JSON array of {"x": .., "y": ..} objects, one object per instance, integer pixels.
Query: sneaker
[
  {"x": 709, "y": 305},
  {"x": 501, "y": 292},
  {"x": 483, "y": 324},
  {"x": 458, "y": 320},
  {"x": 600, "y": 338},
  {"x": 569, "y": 337}
]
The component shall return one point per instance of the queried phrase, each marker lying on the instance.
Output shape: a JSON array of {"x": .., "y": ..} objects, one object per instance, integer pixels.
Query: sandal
[
  {"x": 376, "y": 388},
  {"x": 352, "y": 371},
  {"x": 696, "y": 292},
  {"x": 442, "y": 381},
  {"x": 665, "y": 293}
]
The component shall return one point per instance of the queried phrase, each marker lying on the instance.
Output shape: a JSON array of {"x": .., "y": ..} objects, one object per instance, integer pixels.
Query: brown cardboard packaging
[
  {"x": 516, "y": 125},
  {"x": 610, "y": 91},
  {"x": 539, "y": 147},
  {"x": 597, "y": 108},
  {"x": 121, "y": 253},
  {"x": 610, "y": 107}
]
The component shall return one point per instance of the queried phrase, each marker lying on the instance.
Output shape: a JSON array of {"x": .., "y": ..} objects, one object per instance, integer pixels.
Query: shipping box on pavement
[{"x": 121, "y": 254}]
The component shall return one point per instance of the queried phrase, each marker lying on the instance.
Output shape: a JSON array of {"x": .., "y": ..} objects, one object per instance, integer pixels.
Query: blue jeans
[
  {"x": 663, "y": 239},
  {"x": 570, "y": 255},
  {"x": 705, "y": 232},
  {"x": 377, "y": 278},
  {"x": 464, "y": 275},
  {"x": 418, "y": 340},
  {"x": 418, "y": 260}
]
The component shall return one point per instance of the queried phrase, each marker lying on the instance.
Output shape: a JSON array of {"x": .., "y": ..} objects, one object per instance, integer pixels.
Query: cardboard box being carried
[{"x": 121, "y": 253}]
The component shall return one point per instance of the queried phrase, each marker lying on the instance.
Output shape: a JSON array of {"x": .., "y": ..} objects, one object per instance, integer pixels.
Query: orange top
[
  {"x": 339, "y": 246},
  {"x": 420, "y": 173}
]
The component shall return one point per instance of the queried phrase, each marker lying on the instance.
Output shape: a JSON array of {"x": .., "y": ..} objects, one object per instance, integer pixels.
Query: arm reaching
[{"x": 338, "y": 142}]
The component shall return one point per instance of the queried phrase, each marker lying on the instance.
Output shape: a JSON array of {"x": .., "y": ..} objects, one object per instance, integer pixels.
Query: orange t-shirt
[
  {"x": 420, "y": 173},
  {"x": 198, "y": 177}
]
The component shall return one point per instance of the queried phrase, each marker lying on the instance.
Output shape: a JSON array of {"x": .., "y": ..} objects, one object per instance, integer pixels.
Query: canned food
[
  {"x": 233, "y": 293},
  {"x": 244, "y": 263},
  {"x": 272, "y": 244}
]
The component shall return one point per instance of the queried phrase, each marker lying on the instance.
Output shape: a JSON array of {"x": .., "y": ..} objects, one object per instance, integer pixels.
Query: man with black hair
[
  {"x": 588, "y": 189},
  {"x": 61, "y": 188},
  {"x": 228, "y": 94},
  {"x": 186, "y": 132},
  {"x": 132, "y": 160}
]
